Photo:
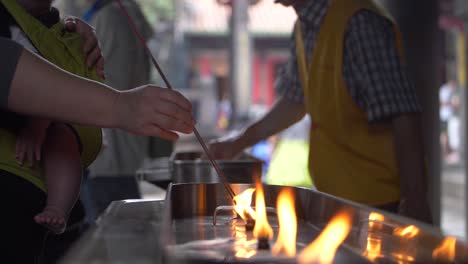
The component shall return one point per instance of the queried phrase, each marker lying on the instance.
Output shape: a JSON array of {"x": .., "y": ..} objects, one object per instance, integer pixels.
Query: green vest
[{"x": 64, "y": 49}]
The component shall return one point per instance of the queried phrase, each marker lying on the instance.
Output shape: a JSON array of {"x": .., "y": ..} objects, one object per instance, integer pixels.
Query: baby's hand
[{"x": 30, "y": 139}]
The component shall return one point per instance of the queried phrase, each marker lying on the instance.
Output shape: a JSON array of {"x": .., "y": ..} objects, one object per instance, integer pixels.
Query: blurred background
[{"x": 224, "y": 55}]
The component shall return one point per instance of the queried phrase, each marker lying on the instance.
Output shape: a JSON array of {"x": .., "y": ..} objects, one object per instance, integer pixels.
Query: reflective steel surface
[
  {"x": 180, "y": 230},
  {"x": 187, "y": 167},
  {"x": 189, "y": 234},
  {"x": 127, "y": 232},
  {"x": 155, "y": 170}
]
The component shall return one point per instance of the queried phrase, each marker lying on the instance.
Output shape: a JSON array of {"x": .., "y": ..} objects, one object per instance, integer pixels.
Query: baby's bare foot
[{"x": 53, "y": 219}]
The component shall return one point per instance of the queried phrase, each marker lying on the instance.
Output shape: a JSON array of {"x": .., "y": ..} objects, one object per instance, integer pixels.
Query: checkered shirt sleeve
[
  {"x": 288, "y": 81},
  {"x": 374, "y": 71}
]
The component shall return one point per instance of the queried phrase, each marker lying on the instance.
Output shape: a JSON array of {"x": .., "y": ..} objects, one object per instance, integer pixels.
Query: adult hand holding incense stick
[
  {"x": 147, "y": 110},
  {"x": 221, "y": 176}
]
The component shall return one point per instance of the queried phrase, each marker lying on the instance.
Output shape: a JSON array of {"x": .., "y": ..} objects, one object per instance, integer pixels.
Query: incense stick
[{"x": 219, "y": 172}]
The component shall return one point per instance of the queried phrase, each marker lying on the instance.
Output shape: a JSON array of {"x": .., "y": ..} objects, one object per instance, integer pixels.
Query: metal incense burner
[{"x": 181, "y": 230}]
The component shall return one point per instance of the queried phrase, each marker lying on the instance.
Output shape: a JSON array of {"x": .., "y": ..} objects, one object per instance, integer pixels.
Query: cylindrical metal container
[{"x": 187, "y": 167}]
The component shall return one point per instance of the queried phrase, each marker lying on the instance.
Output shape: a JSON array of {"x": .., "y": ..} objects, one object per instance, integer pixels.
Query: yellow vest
[
  {"x": 348, "y": 157},
  {"x": 63, "y": 49}
]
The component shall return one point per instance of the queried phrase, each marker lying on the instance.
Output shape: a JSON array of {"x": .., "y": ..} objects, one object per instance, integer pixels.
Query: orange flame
[
  {"x": 402, "y": 258},
  {"x": 262, "y": 228},
  {"x": 446, "y": 251},
  {"x": 407, "y": 232},
  {"x": 373, "y": 248},
  {"x": 244, "y": 247},
  {"x": 376, "y": 216},
  {"x": 374, "y": 244},
  {"x": 243, "y": 204},
  {"x": 245, "y": 253},
  {"x": 286, "y": 243},
  {"x": 374, "y": 219},
  {"x": 323, "y": 249}
]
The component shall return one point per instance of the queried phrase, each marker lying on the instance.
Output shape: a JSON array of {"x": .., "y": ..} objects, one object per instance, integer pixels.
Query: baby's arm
[{"x": 30, "y": 140}]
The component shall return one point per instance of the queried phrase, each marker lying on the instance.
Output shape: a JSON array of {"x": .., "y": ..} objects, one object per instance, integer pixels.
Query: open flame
[
  {"x": 374, "y": 243},
  {"x": 375, "y": 220},
  {"x": 286, "y": 243},
  {"x": 244, "y": 247},
  {"x": 446, "y": 250},
  {"x": 407, "y": 232},
  {"x": 323, "y": 249},
  {"x": 244, "y": 252},
  {"x": 373, "y": 248},
  {"x": 262, "y": 228},
  {"x": 403, "y": 258},
  {"x": 243, "y": 204}
]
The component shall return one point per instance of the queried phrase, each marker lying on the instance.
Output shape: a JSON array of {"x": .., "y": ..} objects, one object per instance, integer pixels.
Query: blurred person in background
[
  {"x": 111, "y": 176},
  {"x": 223, "y": 114},
  {"x": 453, "y": 131},
  {"x": 365, "y": 140},
  {"x": 224, "y": 109},
  {"x": 449, "y": 121}
]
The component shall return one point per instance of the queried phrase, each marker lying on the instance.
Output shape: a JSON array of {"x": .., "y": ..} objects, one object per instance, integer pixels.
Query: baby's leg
[{"x": 62, "y": 169}]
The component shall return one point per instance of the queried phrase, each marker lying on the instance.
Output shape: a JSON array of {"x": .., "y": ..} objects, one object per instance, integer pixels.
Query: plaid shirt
[{"x": 373, "y": 73}]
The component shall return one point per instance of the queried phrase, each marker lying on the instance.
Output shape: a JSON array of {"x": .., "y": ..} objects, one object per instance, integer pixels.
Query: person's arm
[
  {"x": 409, "y": 151},
  {"x": 41, "y": 89},
  {"x": 283, "y": 114},
  {"x": 288, "y": 110},
  {"x": 389, "y": 97}
]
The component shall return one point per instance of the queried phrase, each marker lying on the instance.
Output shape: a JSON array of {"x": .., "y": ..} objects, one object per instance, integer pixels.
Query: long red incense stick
[{"x": 168, "y": 84}]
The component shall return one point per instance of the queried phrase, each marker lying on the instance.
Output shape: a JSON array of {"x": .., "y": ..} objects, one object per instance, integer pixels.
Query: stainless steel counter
[
  {"x": 376, "y": 236},
  {"x": 131, "y": 231},
  {"x": 128, "y": 232}
]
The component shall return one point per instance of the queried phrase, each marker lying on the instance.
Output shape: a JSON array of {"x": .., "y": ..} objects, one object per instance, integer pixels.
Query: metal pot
[{"x": 187, "y": 167}]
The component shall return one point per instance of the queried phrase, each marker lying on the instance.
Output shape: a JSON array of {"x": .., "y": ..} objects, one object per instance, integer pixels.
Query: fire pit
[
  {"x": 182, "y": 229},
  {"x": 202, "y": 225}
]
